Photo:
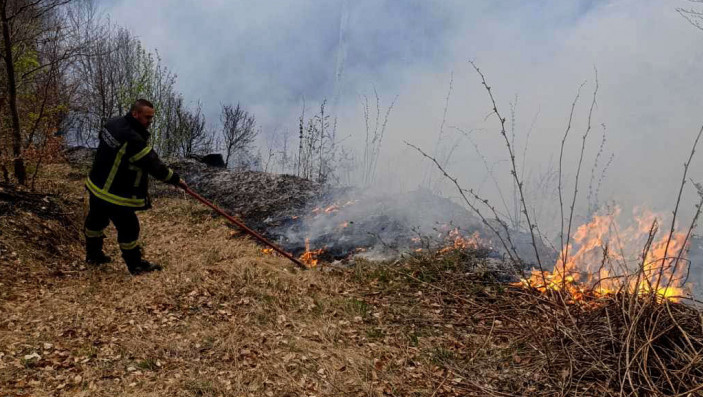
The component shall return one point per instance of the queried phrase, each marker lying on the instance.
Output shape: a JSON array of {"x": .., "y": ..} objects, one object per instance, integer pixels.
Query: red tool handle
[{"x": 245, "y": 228}]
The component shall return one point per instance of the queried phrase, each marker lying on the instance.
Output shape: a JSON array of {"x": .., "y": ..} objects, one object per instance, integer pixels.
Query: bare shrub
[
  {"x": 238, "y": 133},
  {"x": 693, "y": 15},
  {"x": 374, "y": 136}
]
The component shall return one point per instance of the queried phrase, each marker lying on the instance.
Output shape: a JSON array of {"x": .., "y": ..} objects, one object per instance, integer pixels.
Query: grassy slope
[{"x": 223, "y": 319}]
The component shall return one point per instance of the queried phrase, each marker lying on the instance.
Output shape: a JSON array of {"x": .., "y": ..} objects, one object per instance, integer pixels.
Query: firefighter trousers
[{"x": 125, "y": 220}]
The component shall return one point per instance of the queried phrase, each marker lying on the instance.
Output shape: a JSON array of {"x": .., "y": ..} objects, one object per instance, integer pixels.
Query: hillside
[{"x": 223, "y": 319}]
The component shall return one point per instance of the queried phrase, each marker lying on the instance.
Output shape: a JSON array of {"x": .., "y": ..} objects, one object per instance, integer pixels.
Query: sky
[{"x": 274, "y": 56}]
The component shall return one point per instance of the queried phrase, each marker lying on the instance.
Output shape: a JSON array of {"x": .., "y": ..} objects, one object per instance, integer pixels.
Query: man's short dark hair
[{"x": 141, "y": 103}]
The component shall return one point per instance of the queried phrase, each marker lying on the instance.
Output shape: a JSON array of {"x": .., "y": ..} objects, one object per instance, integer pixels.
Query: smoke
[
  {"x": 383, "y": 226},
  {"x": 270, "y": 56}
]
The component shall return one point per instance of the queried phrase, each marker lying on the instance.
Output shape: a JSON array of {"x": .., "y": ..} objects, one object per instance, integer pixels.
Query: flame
[
  {"x": 450, "y": 239},
  {"x": 309, "y": 258},
  {"x": 334, "y": 207},
  {"x": 597, "y": 262},
  {"x": 267, "y": 251},
  {"x": 457, "y": 242}
]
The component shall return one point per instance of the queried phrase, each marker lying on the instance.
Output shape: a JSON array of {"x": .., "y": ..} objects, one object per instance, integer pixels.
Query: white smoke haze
[{"x": 271, "y": 56}]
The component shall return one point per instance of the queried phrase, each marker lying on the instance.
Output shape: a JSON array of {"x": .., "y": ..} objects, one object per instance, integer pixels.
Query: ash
[
  {"x": 376, "y": 226},
  {"x": 342, "y": 222},
  {"x": 252, "y": 196}
]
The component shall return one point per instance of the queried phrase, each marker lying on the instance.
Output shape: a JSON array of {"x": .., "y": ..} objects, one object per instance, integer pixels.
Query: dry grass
[{"x": 224, "y": 320}]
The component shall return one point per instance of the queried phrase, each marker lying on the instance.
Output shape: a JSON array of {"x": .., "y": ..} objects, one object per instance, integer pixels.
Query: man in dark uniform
[{"x": 118, "y": 185}]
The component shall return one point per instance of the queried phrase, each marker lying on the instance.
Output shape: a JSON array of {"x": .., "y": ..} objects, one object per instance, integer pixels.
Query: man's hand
[{"x": 182, "y": 184}]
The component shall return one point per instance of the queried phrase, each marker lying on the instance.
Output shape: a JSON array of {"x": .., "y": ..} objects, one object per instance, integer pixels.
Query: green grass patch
[
  {"x": 441, "y": 356},
  {"x": 375, "y": 333},
  {"x": 148, "y": 364}
]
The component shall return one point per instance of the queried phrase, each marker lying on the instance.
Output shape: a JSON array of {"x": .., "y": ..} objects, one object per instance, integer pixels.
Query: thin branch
[
  {"x": 489, "y": 170},
  {"x": 694, "y": 221},
  {"x": 578, "y": 172},
  {"x": 561, "y": 162},
  {"x": 678, "y": 202},
  {"x": 514, "y": 172},
  {"x": 512, "y": 253}
]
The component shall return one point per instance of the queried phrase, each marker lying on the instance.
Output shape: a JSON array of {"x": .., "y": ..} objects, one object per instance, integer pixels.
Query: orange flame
[
  {"x": 597, "y": 263},
  {"x": 309, "y": 258},
  {"x": 457, "y": 242},
  {"x": 335, "y": 207}
]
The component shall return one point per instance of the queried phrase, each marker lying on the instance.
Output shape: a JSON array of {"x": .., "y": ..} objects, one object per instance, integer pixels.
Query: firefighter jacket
[{"x": 124, "y": 158}]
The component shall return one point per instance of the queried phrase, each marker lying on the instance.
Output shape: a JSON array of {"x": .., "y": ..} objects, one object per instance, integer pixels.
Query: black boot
[
  {"x": 94, "y": 254},
  {"x": 135, "y": 264}
]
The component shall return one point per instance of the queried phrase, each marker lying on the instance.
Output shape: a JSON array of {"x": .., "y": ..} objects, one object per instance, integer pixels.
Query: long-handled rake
[{"x": 244, "y": 227}]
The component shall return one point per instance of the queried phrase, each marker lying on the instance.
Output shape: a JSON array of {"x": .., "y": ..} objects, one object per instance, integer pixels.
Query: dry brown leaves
[{"x": 223, "y": 319}]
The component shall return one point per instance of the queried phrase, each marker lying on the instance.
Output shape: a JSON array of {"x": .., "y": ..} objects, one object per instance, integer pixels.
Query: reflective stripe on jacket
[{"x": 122, "y": 164}]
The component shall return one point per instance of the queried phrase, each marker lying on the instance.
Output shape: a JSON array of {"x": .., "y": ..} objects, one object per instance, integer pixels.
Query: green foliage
[
  {"x": 375, "y": 333},
  {"x": 441, "y": 356},
  {"x": 120, "y": 70},
  {"x": 148, "y": 364},
  {"x": 26, "y": 59},
  {"x": 200, "y": 388},
  {"x": 358, "y": 307}
]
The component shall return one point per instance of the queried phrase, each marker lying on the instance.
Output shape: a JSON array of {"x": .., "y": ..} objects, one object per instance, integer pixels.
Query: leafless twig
[{"x": 514, "y": 170}]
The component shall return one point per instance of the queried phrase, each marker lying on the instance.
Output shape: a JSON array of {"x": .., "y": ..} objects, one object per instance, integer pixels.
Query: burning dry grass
[
  {"x": 225, "y": 319},
  {"x": 513, "y": 341},
  {"x": 597, "y": 263},
  {"x": 621, "y": 346}
]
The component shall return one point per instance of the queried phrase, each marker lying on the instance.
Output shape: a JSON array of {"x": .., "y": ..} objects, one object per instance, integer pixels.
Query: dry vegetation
[{"x": 222, "y": 319}]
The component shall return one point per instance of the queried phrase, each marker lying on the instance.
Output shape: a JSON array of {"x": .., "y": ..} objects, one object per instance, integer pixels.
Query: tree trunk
[
  {"x": 300, "y": 148},
  {"x": 20, "y": 172},
  {"x": 229, "y": 152}
]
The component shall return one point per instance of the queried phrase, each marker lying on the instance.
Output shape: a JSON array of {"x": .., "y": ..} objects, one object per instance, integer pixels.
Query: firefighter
[{"x": 118, "y": 186}]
